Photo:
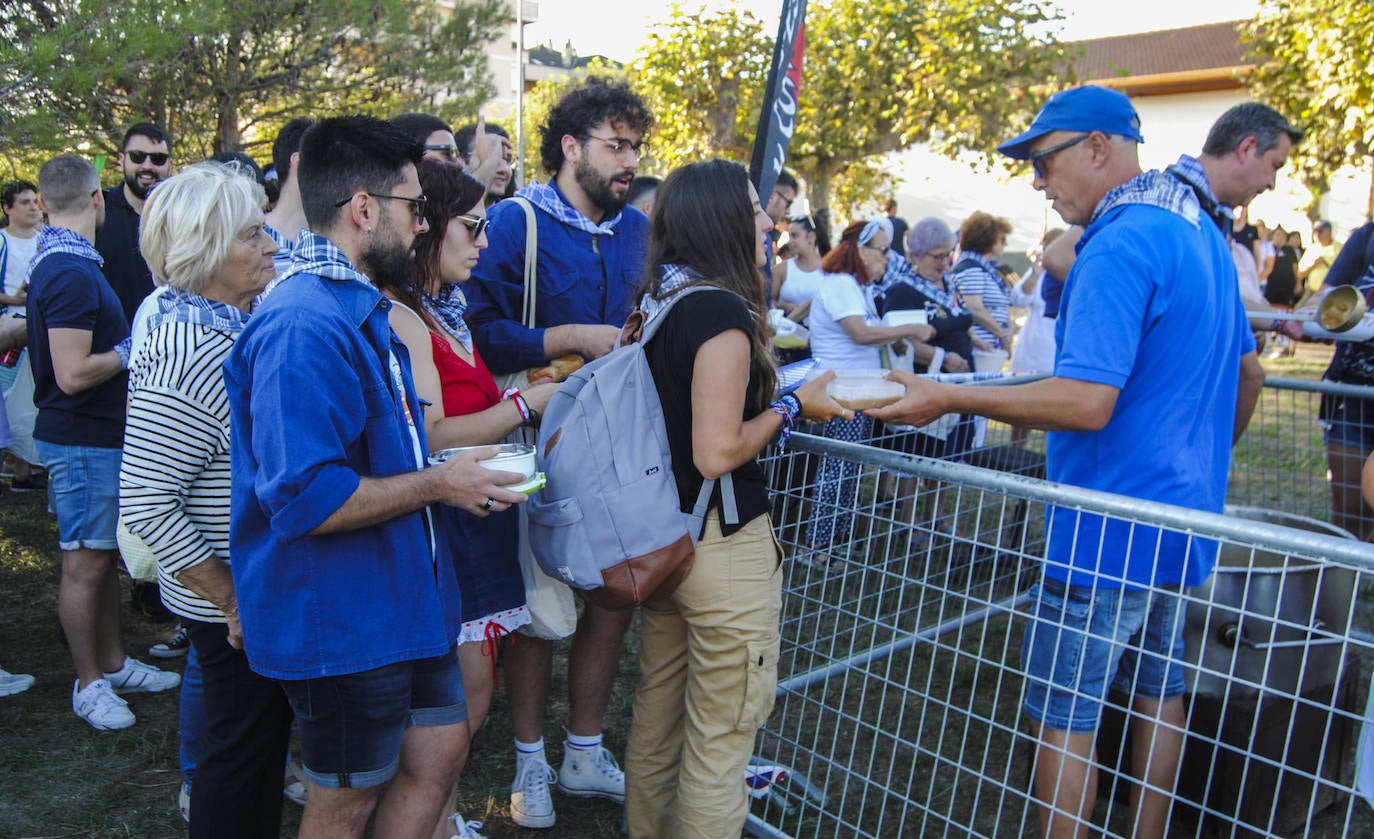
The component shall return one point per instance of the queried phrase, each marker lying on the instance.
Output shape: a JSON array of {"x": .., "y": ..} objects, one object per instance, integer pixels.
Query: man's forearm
[
  {"x": 1247, "y": 393},
  {"x": 88, "y": 372},
  {"x": 377, "y": 500}
]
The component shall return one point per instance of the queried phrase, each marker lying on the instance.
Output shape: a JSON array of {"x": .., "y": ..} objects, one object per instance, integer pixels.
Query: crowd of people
[{"x": 254, "y": 392}]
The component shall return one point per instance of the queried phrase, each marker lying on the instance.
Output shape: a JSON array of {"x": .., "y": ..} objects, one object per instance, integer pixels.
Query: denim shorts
[
  {"x": 1082, "y": 641},
  {"x": 1349, "y": 421},
  {"x": 351, "y": 726},
  {"x": 83, "y": 490}
]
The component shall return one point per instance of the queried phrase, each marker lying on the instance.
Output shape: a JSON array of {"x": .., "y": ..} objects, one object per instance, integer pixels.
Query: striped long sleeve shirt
[{"x": 174, "y": 483}]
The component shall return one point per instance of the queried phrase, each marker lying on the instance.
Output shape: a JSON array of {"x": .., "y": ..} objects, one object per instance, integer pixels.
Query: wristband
[
  {"x": 792, "y": 403},
  {"x": 523, "y": 407},
  {"x": 784, "y": 410},
  {"x": 124, "y": 349}
]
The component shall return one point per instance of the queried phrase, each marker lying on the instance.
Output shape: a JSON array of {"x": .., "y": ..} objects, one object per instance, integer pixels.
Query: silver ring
[{"x": 491, "y": 502}]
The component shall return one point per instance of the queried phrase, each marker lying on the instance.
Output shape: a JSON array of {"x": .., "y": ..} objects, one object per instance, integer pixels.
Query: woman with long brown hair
[{"x": 709, "y": 649}]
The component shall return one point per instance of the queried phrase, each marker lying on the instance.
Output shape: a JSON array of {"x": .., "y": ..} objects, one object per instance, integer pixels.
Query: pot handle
[{"x": 1231, "y": 636}]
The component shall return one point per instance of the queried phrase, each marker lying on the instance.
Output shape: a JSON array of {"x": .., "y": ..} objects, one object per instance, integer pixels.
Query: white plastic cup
[{"x": 989, "y": 361}]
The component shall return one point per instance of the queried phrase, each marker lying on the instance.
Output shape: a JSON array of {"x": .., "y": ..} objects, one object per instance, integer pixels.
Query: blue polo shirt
[
  {"x": 1150, "y": 307},
  {"x": 315, "y": 406}
]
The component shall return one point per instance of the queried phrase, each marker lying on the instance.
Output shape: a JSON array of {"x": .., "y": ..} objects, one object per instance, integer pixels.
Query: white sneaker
[
  {"x": 184, "y": 802},
  {"x": 591, "y": 773},
  {"x": 137, "y": 677},
  {"x": 12, "y": 683},
  {"x": 465, "y": 829},
  {"x": 531, "y": 805},
  {"x": 100, "y": 706}
]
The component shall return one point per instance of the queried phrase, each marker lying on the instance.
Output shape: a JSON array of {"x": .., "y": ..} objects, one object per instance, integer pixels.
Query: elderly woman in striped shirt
[{"x": 202, "y": 235}]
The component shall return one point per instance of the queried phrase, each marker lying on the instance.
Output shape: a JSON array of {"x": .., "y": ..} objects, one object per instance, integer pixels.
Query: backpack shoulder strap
[
  {"x": 651, "y": 325},
  {"x": 531, "y": 261}
]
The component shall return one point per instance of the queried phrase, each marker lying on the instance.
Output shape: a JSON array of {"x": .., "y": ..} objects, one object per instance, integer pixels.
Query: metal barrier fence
[{"x": 899, "y": 701}]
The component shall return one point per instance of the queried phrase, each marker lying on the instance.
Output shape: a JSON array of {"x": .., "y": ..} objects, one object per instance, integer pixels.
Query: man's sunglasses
[
  {"x": 417, "y": 205},
  {"x": 158, "y": 158},
  {"x": 1038, "y": 158}
]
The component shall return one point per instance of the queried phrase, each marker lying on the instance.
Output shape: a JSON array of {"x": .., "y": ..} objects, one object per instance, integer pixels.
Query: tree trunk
[{"x": 818, "y": 194}]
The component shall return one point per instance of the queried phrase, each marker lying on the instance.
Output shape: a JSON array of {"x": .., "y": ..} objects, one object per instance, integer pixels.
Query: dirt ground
[{"x": 61, "y": 778}]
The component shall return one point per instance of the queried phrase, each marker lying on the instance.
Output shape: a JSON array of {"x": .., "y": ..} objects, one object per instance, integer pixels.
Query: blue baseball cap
[{"x": 1087, "y": 108}]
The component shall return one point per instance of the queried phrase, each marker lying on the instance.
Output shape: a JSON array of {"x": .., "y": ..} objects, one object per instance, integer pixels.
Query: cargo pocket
[
  {"x": 560, "y": 542},
  {"x": 760, "y": 684}
]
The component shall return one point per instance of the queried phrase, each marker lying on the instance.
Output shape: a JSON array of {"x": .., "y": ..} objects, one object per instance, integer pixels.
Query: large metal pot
[{"x": 1268, "y": 622}]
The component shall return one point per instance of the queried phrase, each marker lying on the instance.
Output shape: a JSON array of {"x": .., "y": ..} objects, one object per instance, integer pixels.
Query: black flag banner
[{"x": 778, "y": 117}]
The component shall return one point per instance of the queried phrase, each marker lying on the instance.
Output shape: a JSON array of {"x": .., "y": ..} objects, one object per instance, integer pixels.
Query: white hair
[{"x": 190, "y": 220}]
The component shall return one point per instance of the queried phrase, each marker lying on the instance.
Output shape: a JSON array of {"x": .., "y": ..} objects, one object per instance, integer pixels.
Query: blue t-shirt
[
  {"x": 1151, "y": 308},
  {"x": 67, "y": 291}
]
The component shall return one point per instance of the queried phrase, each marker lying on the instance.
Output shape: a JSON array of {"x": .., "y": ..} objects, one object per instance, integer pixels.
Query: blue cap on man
[{"x": 1087, "y": 108}]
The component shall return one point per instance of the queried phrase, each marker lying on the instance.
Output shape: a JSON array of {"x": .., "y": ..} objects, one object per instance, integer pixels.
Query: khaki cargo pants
[{"x": 709, "y": 657}]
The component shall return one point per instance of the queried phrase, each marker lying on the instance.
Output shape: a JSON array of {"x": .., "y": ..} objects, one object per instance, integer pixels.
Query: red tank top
[{"x": 467, "y": 388}]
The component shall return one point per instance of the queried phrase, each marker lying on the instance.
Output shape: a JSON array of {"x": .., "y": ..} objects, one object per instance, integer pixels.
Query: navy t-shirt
[
  {"x": 117, "y": 240},
  {"x": 67, "y": 291}
]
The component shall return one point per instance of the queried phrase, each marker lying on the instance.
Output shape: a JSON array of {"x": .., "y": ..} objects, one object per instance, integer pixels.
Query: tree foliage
[
  {"x": 879, "y": 76},
  {"x": 224, "y": 74},
  {"x": 1316, "y": 68}
]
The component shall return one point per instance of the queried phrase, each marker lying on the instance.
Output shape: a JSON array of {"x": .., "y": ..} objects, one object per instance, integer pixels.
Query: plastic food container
[
  {"x": 512, "y": 457},
  {"x": 859, "y": 390},
  {"x": 904, "y": 317}
]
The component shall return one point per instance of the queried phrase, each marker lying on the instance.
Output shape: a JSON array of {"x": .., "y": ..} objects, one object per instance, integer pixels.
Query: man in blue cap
[{"x": 1143, "y": 403}]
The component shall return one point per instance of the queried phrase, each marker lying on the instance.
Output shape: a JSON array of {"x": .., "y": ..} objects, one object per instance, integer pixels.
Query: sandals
[{"x": 821, "y": 562}]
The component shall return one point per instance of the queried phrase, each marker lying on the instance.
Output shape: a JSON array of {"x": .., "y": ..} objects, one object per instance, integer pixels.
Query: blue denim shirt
[
  {"x": 313, "y": 408},
  {"x": 584, "y": 278}
]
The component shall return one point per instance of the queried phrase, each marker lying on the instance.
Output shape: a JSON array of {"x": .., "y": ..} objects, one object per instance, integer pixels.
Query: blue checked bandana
[
  {"x": 175, "y": 305},
  {"x": 314, "y": 254},
  {"x": 1189, "y": 170},
  {"x": 675, "y": 278},
  {"x": 53, "y": 240},
  {"x": 550, "y": 201},
  {"x": 899, "y": 270},
  {"x": 1154, "y": 189},
  {"x": 448, "y": 308}
]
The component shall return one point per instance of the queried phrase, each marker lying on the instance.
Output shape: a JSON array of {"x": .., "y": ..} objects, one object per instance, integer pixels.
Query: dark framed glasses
[
  {"x": 444, "y": 150},
  {"x": 475, "y": 225},
  {"x": 158, "y": 158},
  {"x": 1038, "y": 158},
  {"x": 417, "y": 204}
]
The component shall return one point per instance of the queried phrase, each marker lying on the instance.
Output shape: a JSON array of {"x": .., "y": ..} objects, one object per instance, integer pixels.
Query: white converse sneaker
[
  {"x": 591, "y": 773},
  {"x": 531, "y": 805},
  {"x": 98, "y": 705},
  {"x": 137, "y": 677},
  {"x": 465, "y": 829},
  {"x": 184, "y": 802}
]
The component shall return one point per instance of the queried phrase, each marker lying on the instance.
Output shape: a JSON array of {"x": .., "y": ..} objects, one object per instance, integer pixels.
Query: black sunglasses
[
  {"x": 1037, "y": 158},
  {"x": 158, "y": 158},
  {"x": 476, "y": 226},
  {"x": 417, "y": 205}
]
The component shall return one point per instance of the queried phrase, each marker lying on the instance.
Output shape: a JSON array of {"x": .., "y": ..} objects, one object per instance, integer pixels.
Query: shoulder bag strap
[{"x": 531, "y": 262}]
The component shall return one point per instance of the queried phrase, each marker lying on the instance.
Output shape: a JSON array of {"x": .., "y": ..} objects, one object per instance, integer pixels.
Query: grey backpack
[{"x": 608, "y": 521}]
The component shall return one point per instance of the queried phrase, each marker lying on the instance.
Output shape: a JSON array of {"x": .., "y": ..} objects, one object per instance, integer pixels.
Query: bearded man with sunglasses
[{"x": 145, "y": 158}]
